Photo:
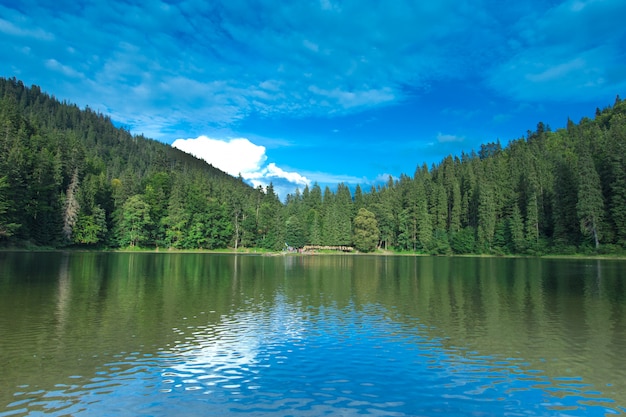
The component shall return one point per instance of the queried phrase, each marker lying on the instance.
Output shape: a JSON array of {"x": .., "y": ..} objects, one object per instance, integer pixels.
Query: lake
[{"x": 157, "y": 334}]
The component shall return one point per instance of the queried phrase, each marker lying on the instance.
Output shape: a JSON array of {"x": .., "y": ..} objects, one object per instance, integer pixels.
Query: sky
[{"x": 322, "y": 91}]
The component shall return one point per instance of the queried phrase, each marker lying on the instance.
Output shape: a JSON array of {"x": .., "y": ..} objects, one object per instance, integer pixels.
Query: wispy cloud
[
  {"x": 444, "y": 138},
  {"x": 219, "y": 62},
  {"x": 55, "y": 65},
  {"x": 574, "y": 51},
  {"x": 12, "y": 29},
  {"x": 325, "y": 178},
  {"x": 319, "y": 71}
]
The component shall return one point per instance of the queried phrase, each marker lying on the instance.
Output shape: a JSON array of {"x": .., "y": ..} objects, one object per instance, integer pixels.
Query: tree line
[{"x": 69, "y": 177}]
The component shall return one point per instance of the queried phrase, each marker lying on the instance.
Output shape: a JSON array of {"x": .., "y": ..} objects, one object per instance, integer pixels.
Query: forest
[{"x": 69, "y": 178}]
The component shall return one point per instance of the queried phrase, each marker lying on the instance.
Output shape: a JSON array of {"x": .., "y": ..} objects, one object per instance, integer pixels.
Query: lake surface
[{"x": 118, "y": 334}]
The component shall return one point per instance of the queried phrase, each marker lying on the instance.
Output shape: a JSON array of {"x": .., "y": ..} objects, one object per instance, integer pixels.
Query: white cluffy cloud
[
  {"x": 272, "y": 171},
  {"x": 234, "y": 156},
  {"x": 241, "y": 157}
]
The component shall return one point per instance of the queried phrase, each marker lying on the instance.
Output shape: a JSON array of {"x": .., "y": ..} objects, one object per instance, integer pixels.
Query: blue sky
[{"x": 323, "y": 91}]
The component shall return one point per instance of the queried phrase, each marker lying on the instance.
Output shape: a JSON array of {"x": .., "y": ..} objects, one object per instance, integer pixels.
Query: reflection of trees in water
[
  {"x": 64, "y": 294},
  {"x": 541, "y": 311},
  {"x": 564, "y": 317}
]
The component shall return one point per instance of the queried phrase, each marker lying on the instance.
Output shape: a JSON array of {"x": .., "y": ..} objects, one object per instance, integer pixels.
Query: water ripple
[{"x": 330, "y": 361}]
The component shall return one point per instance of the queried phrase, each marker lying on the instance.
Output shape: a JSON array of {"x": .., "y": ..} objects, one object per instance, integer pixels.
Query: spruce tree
[
  {"x": 590, "y": 205},
  {"x": 486, "y": 216}
]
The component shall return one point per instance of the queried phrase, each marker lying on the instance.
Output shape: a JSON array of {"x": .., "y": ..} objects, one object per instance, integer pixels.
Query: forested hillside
[
  {"x": 550, "y": 192},
  {"x": 69, "y": 177}
]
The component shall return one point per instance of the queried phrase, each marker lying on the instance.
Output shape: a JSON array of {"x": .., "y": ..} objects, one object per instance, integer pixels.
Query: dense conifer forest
[{"x": 70, "y": 178}]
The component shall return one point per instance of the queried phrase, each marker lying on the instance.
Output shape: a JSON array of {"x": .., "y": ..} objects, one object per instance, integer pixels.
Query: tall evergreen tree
[
  {"x": 516, "y": 230},
  {"x": 6, "y": 228},
  {"x": 486, "y": 216},
  {"x": 590, "y": 205}
]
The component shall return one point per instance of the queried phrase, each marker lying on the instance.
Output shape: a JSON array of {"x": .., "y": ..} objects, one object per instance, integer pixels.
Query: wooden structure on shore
[{"x": 310, "y": 248}]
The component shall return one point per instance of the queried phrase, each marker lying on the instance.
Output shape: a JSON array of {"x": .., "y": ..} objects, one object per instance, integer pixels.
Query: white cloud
[
  {"x": 284, "y": 182},
  {"x": 351, "y": 99},
  {"x": 234, "y": 156},
  {"x": 240, "y": 156},
  {"x": 273, "y": 171}
]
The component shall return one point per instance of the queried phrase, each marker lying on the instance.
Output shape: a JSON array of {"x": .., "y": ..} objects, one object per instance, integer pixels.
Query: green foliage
[
  {"x": 440, "y": 244},
  {"x": 90, "y": 229},
  {"x": 463, "y": 241},
  {"x": 295, "y": 232},
  {"x": 69, "y": 173},
  {"x": 135, "y": 222},
  {"x": 486, "y": 217},
  {"x": 6, "y": 229},
  {"x": 271, "y": 233},
  {"x": 70, "y": 176},
  {"x": 366, "y": 231},
  {"x": 516, "y": 231},
  {"x": 590, "y": 204}
]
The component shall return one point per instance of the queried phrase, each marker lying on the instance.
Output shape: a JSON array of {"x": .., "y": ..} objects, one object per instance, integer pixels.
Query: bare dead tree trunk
[{"x": 70, "y": 216}]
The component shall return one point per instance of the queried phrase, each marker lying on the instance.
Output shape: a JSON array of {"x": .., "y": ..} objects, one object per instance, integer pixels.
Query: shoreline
[{"x": 263, "y": 252}]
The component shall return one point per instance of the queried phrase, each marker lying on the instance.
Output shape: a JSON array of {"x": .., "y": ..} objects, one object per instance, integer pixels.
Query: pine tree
[
  {"x": 407, "y": 219},
  {"x": 590, "y": 205},
  {"x": 566, "y": 229},
  {"x": 6, "y": 228},
  {"x": 532, "y": 219},
  {"x": 439, "y": 207},
  {"x": 486, "y": 216},
  {"x": 618, "y": 203},
  {"x": 455, "y": 209},
  {"x": 516, "y": 230},
  {"x": 425, "y": 228},
  {"x": 344, "y": 207}
]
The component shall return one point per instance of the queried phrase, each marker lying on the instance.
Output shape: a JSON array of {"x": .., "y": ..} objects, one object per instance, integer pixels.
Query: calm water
[{"x": 92, "y": 334}]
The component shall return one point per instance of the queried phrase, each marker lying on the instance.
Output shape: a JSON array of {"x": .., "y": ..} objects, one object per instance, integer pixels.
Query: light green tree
[
  {"x": 366, "y": 233},
  {"x": 135, "y": 222},
  {"x": 90, "y": 229}
]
